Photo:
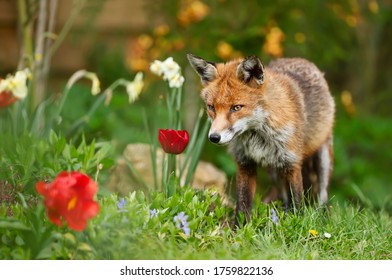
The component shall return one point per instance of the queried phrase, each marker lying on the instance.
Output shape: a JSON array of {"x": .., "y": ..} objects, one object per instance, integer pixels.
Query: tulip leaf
[
  {"x": 19, "y": 241},
  {"x": 44, "y": 253},
  {"x": 85, "y": 247},
  {"x": 195, "y": 153},
  {"x": 67, "y": 152},
  {"x": 70, "y": 238},
  {"x": 13, "y": 224},
  {"x": 53, "y": 137}
]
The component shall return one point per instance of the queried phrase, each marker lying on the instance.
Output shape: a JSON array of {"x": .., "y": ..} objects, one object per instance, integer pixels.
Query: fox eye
[
  {"x": 211, "y": 108},
  {"x": 236, "y": 108}
]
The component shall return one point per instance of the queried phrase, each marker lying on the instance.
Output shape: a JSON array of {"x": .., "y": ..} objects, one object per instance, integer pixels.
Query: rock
[{"x": 134, "y": 171}]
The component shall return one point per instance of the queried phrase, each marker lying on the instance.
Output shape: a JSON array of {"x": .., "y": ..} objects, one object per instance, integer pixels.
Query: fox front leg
[
  {"x": 246, "y": 187},
  {"x": 294, "y": 186}
]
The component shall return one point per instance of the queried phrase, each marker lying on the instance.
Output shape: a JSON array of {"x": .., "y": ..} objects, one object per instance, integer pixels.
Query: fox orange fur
[{"x": 280, "y": 116}]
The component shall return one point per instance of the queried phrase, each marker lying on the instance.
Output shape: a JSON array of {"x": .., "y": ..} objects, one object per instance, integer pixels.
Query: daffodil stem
[
  {"x": 173, "y": 103},
  {"x": 116, "y": 84},
  {"x": 62, "y": 102},
  {"x": 85, "y": 118},
  {"x": 178, "y": 108},
  {"x": 98, "y": 102},
  {"x": 169, "y": 104}
]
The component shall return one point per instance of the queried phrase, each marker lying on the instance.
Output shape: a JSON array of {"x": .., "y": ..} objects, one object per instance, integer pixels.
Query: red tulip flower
[
  {"x": 70, "y": 197},
  {"x": 173, "y": 141},
  {"x": 6, "y": 99}
]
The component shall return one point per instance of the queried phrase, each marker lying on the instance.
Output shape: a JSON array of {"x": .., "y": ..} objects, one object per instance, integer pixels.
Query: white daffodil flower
[
  {"x": 176, "y": 81},
  {"x": 135, "y": 88},
  {"x": 4, "y": 85},
  {"x": 95, "y": 87},
  {"x": 169, "y": 70},
  {"x": 157, "y": 67},
  {"x": 17, "y": 84}
]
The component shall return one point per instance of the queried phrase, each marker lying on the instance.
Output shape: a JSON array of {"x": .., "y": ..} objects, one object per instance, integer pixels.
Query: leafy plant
[{"x": 134, "y": 227}]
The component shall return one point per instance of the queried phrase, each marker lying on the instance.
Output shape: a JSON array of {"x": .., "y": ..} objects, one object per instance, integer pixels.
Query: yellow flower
[
  {"x": 224, "y": 50},
  {"x": 161, "y": 30},
  {"x": 348, "y": 104},
  {"x": 192, "y": 11},
  {"x": 313, "y": 232},
  {"x": 299, "y": 37},
  {"x": 373, "y": 6},
  {"x": 352, "y": 20},
  {"x": 198, "y": 10},
  {"x": 273, "y": 43}
]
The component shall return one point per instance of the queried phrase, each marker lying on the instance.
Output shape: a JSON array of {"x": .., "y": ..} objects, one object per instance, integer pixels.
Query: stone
[{"x": 133, "y": 171}]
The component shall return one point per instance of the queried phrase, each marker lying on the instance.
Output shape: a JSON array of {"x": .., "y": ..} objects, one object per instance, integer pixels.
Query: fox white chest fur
[{"x": 265, "y": 146}]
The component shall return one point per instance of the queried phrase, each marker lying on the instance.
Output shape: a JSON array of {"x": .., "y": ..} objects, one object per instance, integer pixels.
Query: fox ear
[
  {"x": 251, "y": 68},
  {"x": 206, "y": 70}
]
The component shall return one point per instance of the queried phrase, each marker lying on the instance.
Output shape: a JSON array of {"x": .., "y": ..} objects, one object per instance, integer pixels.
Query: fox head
[{"x": 232, "y": 94}]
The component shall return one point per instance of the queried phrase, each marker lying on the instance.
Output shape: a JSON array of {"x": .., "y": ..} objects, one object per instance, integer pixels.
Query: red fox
[{"x": 280, "y": 116}]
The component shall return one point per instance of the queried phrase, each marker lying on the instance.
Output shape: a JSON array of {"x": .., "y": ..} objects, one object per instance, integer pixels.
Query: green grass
[{"x": 133, "y": 234}]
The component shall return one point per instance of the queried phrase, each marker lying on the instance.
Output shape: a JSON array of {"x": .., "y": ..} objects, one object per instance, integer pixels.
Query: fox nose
[{"x": 214, "y": 138}]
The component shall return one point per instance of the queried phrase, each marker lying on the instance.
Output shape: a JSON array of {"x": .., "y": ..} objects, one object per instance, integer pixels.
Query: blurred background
[{"x": 349, "y": 40}]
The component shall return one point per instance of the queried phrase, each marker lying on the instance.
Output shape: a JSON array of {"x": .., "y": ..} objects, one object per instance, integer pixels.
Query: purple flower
[
  {"x": 186, "y": 230},
  {"x": 121, "y": 205},
  {"x": 182, "y": 223},
  {"x": 274, "y": 217},
  {"x": 153, "y": 213},
  {"x": 180, "y": 218}
]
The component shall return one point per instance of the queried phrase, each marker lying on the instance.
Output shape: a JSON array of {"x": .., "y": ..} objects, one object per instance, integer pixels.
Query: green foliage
[
  {"x": 28, "y": 238},
  {"x": 132, "y": 232},
  {"x": 362, "y": 156},
  {"x": 29, "y": 159}
]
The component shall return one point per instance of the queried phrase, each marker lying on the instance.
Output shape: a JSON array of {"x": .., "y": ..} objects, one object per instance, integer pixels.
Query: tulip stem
[
  {"x": 172, "y": 168},
  {"x": 164, "y": 183},
  {"x": 171, "y": 178},
  {"x": 168, "y": 171}
]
